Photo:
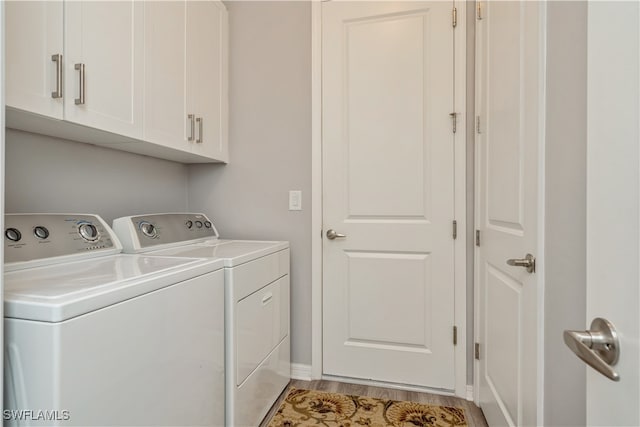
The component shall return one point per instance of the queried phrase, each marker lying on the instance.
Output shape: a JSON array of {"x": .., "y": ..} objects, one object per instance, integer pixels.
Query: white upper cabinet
[
  {"x": 148, "y": 77},
  {"x": 104, "y": 64},
  {"x": 186, "y": 99},
  {"x": 207, "y": 96},
  {"x": 165, "y": 79},
  {"x": 33, "y": 51}
]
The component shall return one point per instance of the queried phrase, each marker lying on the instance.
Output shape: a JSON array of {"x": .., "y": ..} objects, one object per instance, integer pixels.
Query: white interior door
[
  {"x": 509, "y": 104},
  {"x": 613, "y": 199},
  {"x": 388, "y": 180}
]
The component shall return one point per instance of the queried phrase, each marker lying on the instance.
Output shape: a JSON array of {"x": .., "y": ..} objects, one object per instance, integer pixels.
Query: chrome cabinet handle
[
  {"x": 80, "y": 68},
  {"x": 598, "y": 347},
  {"x": 191, "y": 119},
  {"x": 528, "y": 262},
  {"x": 57, "y": 58},
  {"x": 199, "y": 120},
  {"x": 331, "y": 234}
]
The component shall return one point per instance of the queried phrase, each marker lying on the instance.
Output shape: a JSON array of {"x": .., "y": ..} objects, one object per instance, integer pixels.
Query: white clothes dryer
[
  {"x": 258, "y": 366},
  {"x": 98, "y": 338}
]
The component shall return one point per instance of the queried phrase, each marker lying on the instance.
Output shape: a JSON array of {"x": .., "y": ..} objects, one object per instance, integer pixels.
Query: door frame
[
  {"x": 540, "y": 215},
  {"x": 460, "y": 208}
]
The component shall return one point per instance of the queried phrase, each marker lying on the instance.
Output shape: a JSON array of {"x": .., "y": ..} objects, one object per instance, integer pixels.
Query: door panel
[
  {"x": 503, "y": 327},
  {"x": 504, "y": 103},
  {"x": 374, "y": 152},
  {"x": 369, "y": 277},
  {"x": 388, "y": 185},
  {"x": 509, "y": 83}
]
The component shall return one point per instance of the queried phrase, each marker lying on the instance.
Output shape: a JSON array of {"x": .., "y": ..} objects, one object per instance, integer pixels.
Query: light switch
[{"x": 295, "y": 200}]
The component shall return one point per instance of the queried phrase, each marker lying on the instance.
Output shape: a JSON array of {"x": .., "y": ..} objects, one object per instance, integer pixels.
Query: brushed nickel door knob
[{"x": 331, "y": 234}]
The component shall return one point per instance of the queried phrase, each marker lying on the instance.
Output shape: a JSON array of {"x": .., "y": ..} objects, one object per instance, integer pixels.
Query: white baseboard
[
  {"x": 395, "y": 386},
  {"x": 300, "y": 371}
]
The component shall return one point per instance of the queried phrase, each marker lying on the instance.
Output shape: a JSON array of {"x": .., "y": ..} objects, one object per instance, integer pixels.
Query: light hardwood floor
[{"x": 472, "y": 412}]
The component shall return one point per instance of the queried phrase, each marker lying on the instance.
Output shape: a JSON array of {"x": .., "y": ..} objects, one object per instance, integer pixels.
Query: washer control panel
[
  {"x": 29, "y": 237},
  {"x": 144, "y": 231}
]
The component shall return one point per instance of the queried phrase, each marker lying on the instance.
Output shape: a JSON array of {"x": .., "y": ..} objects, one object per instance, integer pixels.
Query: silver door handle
[
  {"x": 57, "y": 58},
  {"x": 528, "y": 262},
  {"x": 191, "y": 118},
  {"x": 80, "y": 68},
  {"x": 199, "y": 120},
  {"x": 331, "y": 234},
  {"x": 598, "y": 347}
]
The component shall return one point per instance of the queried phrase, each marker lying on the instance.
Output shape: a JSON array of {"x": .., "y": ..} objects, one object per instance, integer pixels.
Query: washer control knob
[
  {"x": 189, "y": 223},
  {"x": 88, "y": 232},
  {"x": 41, "y": 232},
  {"x": 148, "y": 229},
  {"x": 207, "y": 224},
  {"x": 13, "y": 234},
  {"x": 199, "y": 224}
]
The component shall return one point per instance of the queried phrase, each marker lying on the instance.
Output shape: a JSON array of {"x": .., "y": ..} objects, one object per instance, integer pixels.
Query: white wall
[
  {"x": 269, "y": 144},
  {"x": 565, "y": 247},
  {"x": 45, "y": 174}
]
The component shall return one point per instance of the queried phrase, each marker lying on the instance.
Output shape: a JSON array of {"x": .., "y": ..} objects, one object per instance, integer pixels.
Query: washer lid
[
  {"x": 233, "y": 252},
  {"x": 58, "y": 292}
]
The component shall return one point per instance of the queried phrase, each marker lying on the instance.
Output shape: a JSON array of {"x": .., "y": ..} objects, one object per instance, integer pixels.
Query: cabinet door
[
  {"x": 165, "y": 114},
  {"x": 107, "y": 37},
  {"x": 207, "y": 76},
  {"x": 34, "y": 35}
]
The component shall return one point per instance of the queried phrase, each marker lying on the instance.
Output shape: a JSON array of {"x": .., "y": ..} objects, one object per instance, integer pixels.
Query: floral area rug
[{"x": 318, "y": 408}]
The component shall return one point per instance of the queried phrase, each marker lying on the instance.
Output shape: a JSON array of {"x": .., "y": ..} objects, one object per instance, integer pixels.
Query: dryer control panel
[
  {"x": 144, "y": 232},
  {"x": 31, "y": 237}
]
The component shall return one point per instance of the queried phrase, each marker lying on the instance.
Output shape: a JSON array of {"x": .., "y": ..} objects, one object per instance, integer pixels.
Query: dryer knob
[
  {"x": 149, "y": 229},
  {"x": 88, "y": 232},
  {"x": 13, "y": 234},
  {"x": 199, "y": 224},
  {"x": 41, "y": 232},
  {"x": 189, "y": 223}
]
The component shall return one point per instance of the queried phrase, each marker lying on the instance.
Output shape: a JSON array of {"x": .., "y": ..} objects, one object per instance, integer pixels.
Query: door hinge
[
  {"x": 477, "y": 351},
  {"x": 478, "y": 124},
  {"x": 455, "y": 229},
  {"x": 454, "y": 17},
  {"x": 479, "y": 11},
  {"x": 455, "y": 335},
  {"x": 477, "y": 237},
  {"x": 454, "y": 121}
]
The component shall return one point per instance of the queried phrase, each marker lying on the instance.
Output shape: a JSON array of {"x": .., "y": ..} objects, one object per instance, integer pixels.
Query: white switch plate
[{"x": 295, "y": 200}]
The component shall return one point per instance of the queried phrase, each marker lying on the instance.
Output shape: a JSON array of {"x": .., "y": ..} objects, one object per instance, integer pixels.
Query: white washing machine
[
  {"x": 257, "y": 361},
  {"x": 98, "y": 338}
]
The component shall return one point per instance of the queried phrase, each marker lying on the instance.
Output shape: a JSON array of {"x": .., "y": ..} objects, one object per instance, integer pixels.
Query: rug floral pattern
[{"x": 317, "y": 408}]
